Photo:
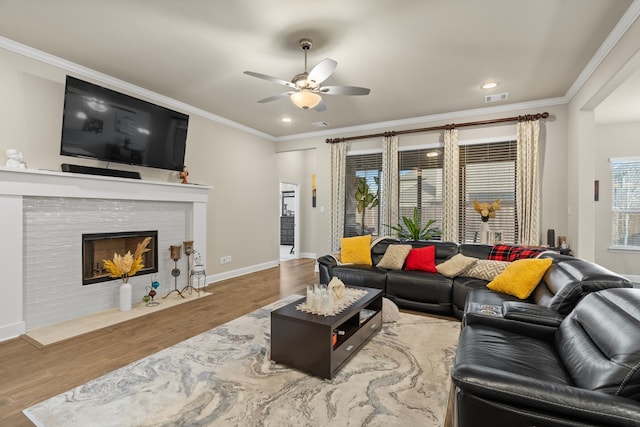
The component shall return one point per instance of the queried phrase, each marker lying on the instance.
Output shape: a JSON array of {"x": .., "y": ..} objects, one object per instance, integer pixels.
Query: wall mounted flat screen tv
[{"x": 102, "y": 124}]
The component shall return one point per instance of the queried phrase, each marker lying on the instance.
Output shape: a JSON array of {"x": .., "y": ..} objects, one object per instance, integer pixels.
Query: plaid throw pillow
[{"x": 512, "y": 253}]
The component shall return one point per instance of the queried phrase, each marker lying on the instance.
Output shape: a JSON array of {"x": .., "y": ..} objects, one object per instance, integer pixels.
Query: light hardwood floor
[{"x": 29, "y": 375}]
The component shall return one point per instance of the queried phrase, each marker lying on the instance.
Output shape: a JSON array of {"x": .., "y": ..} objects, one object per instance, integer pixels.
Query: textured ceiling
[{"x": 418, "y": 57}]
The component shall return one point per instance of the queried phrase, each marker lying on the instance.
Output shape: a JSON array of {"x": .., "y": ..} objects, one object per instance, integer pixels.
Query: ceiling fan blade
[
  {"x": 344, "y": 90},
  {"x": 323, "y": 70},
  {"x": 320, "y": 107},
  {"x": 271, "y": 79},
  {"x": 276, "y": 97}
]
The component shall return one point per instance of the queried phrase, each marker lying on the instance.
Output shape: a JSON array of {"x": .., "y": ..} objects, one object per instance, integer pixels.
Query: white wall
[
  {"x": 583, "y": 148},
  {"x": 297, "y": 167},
  {"x": 242, "y": 219},
  {"x": 617, "y": 140}
]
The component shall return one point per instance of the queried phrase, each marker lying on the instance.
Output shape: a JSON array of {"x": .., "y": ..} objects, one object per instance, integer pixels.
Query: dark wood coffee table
[{"x": 306, "y": 341}]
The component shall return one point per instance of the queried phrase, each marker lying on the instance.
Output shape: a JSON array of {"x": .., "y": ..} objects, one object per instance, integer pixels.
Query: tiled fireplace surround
[{"x": 44, "y": 215}]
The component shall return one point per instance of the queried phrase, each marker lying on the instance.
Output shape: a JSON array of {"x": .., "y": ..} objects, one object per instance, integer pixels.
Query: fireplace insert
[{"x": 97, "y": 247}]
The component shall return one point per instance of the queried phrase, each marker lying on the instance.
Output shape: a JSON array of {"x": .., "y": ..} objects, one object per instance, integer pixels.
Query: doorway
[{"x": 289, "y": 219}]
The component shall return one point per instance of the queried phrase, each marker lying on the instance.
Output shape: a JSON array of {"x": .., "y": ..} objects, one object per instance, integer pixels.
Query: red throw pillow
[{"x": 421, "y": 259}]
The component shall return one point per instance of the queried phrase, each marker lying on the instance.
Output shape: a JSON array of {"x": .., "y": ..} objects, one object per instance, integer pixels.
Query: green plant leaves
[{"x": 412, "y": 228}]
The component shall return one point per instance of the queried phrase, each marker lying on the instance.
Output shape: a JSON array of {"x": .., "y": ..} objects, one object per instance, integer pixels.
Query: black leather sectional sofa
[
  {"x": 565, "y": 282},
  {"x": 569, "y": 355}
]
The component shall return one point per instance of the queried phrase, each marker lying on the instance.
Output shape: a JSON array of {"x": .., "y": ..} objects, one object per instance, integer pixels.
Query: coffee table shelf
[{"x": 305, "y": 341}]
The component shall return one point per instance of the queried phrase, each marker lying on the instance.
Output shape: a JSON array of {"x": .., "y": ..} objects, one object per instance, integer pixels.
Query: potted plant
[
  {"x": 365, "y": 198},
  {"x": 412, "y": 229}
]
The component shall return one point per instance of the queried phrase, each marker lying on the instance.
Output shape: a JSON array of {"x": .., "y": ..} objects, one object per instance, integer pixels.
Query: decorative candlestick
[
  {"x": 175, "y": 272},
  {"x": 188, "y": 250}
]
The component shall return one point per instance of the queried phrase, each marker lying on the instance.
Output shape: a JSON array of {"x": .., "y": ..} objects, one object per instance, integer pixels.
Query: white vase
[
  {"x": 125, "y": 296},
  {"x": 484, "y": 232}
]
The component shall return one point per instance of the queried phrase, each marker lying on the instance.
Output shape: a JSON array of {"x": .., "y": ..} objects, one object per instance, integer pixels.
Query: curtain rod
[{"x": 442, "y": 127}]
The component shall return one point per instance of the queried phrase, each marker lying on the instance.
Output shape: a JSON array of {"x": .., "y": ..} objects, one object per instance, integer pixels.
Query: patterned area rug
[{"x": 225, "y": 377}]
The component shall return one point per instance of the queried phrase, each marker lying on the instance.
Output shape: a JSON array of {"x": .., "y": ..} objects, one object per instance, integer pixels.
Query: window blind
[
  {"x": 625, "y": 202},
  {"x": 368, "y": 166},
  {"x": 420, "y": 185},
  {"x": 488, "y": 172}
]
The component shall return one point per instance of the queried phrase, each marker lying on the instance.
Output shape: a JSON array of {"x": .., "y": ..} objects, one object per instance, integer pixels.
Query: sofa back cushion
[
  {"x": 444, "y": 250},
  {"x": 569, "y": 279},
  {"x": 599, "y": 342},
  {"x": 476, "y": 250}
]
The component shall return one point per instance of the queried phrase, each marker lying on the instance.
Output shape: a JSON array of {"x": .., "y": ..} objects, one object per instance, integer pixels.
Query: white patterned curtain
[
  {"x": 389, "y": 184},
  {"x": 338, "y": 171},
  {"x": 451, "y": 186},
  {"x": 528, "y": 183}
]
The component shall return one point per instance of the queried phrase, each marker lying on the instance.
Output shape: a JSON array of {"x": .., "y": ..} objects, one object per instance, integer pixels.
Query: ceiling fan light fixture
[{"x": 305, "y": 99}]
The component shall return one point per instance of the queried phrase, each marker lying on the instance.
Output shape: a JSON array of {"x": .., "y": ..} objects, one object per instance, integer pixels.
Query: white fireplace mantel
[{"x": 18, "y": 183}]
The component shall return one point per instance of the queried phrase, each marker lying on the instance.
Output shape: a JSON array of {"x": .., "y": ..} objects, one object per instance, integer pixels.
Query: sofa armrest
[
  {"x": 553, "y": 399},
  {"x": 325, "y": 264},
  {"x": 328, "y": 260},
  {"x": 493, "y": 316},
  {"x": 531, "y": 313}
]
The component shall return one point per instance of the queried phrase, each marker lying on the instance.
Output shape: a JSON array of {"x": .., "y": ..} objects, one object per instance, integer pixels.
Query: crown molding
[{"x": 629, "y": 17}]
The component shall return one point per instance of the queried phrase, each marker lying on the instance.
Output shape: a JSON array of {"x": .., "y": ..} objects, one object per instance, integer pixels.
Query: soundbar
[{"x": 66, "y": 167}]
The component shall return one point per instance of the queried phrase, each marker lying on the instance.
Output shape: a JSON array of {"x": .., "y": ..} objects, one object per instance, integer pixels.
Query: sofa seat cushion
[
  {"x": 360, "y": 275},
  {"x": 487, "y": 348},
  {"x": 419, "y": 286}
]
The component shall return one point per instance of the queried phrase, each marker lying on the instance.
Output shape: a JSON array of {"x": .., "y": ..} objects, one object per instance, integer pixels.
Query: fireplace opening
[{"x": 97, "y": 247}]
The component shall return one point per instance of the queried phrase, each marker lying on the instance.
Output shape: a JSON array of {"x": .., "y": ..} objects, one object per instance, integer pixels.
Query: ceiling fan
[{"x": 306, "y": 87}]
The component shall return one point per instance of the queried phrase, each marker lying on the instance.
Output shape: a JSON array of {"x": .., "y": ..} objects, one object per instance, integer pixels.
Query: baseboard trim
[
  {"x": 13, "y": 330},
  {"x": 241, "y": 271}
]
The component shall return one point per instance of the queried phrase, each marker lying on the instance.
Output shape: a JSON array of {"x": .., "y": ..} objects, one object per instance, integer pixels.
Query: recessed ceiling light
[
  {"x": 489, "y": 85},
  {"x": 286, "y": 119}
]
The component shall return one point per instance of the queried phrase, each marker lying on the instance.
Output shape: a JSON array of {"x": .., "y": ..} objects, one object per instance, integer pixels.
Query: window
[
  {"x": 488, "y": 172},
  {"x": 420, "y": 184},
  {"x": 625, "y": 202},
  {"x": 369, "y": 167}
]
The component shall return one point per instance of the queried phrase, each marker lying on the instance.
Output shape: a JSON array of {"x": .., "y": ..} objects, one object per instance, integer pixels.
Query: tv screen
[{"x": 102, "y": 124}]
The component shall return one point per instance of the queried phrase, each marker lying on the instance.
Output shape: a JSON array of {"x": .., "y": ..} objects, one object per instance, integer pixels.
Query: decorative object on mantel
[
  {"x": 183, "y": 175},
  {"x": 14, "y": 159},
  {"x": 125, "y": 266},
  {"x": 315, "y": 303},
  {"x": 175, "y": 272},
  {"x": 486, "y": 211}
]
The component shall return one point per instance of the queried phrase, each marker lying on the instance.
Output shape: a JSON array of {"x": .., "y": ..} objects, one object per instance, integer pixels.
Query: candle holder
[
  {"x": 198, "y": 272},
  {"x": 188, "y": 250},
  {"x": 175, "y": 272}
]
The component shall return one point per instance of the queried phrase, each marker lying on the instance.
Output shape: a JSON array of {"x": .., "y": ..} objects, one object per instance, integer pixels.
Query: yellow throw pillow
[
  {"x": 355, "y": 250},
  {"x": 520, "y": 277}
]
